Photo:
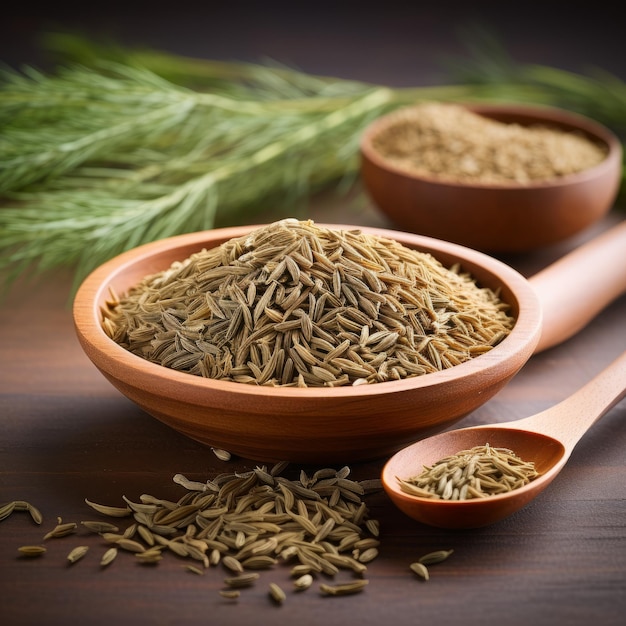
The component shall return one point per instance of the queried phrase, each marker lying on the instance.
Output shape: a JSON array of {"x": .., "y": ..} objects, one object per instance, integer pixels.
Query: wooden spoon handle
[
  {"x": 571, "y": 418},
  {"x": 577, "y": 287}
]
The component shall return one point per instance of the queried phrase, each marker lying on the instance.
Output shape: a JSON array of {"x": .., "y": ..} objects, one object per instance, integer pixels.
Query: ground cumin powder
[{"x": 455, "y": 144}]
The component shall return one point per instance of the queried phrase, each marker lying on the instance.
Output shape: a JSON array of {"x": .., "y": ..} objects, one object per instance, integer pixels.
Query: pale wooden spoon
[{"x": 547, "y": 439}]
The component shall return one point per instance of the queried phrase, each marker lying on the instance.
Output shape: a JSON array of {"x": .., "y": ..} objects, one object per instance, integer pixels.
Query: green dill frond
[
  {"x": 119, "y": 147},
  {"x": 144, "y": 159}
]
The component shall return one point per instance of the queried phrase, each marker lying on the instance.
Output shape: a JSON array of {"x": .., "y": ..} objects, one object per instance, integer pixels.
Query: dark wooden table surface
[{"x": 66, "y": 434}]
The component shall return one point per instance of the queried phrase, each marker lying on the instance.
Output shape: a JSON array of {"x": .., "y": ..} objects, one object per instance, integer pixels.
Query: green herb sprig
[{"x": 118, "y": 147}]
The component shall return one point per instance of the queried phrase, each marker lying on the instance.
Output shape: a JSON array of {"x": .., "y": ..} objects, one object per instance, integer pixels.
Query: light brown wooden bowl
[
  {"x": 496, "y": 218},
  {"x": 313, "y": 425}
]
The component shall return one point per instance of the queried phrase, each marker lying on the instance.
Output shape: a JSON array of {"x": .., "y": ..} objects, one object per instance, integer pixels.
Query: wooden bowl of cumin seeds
[
  {"x": 292, "y": 370},
  {"x": 495, "y": 177}
]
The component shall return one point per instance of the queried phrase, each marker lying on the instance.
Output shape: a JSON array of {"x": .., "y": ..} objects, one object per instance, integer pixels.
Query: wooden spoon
[{"x": 547, "y": 439}]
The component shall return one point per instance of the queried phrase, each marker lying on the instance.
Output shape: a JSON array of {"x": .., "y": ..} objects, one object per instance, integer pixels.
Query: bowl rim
[
  {"x": 101, "y": 349},
  {"x": 540, "y": 113}
]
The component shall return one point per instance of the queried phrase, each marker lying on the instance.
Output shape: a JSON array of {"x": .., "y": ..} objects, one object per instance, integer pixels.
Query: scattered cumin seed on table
[
  {"x": 77, "y": 553},
  {"x": 246, "y": 521},
  {"x": 31, "y": 551}
]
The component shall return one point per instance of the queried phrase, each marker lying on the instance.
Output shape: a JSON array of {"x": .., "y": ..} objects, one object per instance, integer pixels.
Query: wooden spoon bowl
[{"x": 546, "y": 439}]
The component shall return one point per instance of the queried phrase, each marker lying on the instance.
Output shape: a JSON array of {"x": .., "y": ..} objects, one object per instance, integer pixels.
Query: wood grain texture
[{"x": 67, "y": 434}]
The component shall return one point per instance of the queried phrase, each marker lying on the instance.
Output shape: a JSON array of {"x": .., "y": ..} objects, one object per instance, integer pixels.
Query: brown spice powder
[{"x": 456, "y": 144}]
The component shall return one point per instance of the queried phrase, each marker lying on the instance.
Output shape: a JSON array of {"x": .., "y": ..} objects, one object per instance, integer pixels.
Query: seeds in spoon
[{"x": 479, "y": 472}]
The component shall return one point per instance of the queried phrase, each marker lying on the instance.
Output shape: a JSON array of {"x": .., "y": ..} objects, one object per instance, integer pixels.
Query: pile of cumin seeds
[
  {"x": 296, "y": 304},
  {"x": 317, "y": 528},
  {"x": 237, "y": 524}
]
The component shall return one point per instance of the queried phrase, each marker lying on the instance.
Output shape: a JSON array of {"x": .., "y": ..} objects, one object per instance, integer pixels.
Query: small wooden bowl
[
  {"x": 494, "y": 218},
  {"x": 312, "y": 425}
]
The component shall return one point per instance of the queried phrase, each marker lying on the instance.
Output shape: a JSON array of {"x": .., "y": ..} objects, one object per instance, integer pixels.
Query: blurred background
[{"x": 391, "y": 42}]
